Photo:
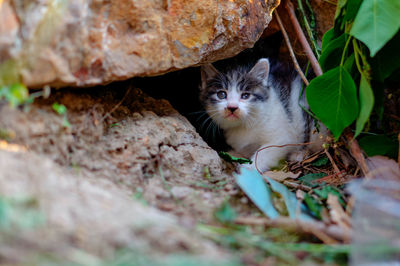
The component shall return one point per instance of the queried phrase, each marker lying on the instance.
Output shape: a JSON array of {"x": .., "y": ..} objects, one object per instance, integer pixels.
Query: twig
[
  {"x": 297, "y": 186},
  {"x": 277, "y": 146},
  {"x": 302, "y": 38},
  {"x": 337, "y": 171},
  {"x": 356, "y": 152},
  {"x": 329, "y": 234},
  {"x": 291, "y": 52},
  {"x": 116, "y": 106}
]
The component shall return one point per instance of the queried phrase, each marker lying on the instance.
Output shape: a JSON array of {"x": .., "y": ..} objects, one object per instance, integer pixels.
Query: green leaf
[
  {"x": 313, "y": 205},
  {"x": 366, "y": 97},
  {"x": 225, "y": 213},
  {"x": 59, "y": 108},
  {"x": 339, "y": 7},
  {"x": 328, "y": 36},
  {"x": 253, "y": 184},
  {"x": 332, "y": 53},
  {"x": 333, "y": 99},
  {"x": 379, "y": 145},
  {"x": 376, "y": 23},
  {"x": 321, "y": 161},
  {"x": 310, "y": 178},
  {"x": 227, "y": 157},
  {"x": 350, "y": 66},
  {"x": 326, "y": 190},
  {"x": 352, "y": 8},
  {"x": 17, "y": 94},
  {"x": 387, "y": 60}
]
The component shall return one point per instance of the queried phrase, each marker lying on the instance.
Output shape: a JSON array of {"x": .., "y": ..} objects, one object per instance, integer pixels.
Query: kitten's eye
[
  {"x": 245, "y": 96},
  {"x": 221, "y": 94}
]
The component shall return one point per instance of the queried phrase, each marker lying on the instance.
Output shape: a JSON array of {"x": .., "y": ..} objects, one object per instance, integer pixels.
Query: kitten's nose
[{"x": 232, "y": 108}]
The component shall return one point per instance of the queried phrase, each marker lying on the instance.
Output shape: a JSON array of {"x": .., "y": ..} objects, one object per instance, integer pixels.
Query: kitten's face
[{"x": 233, "y": 99}]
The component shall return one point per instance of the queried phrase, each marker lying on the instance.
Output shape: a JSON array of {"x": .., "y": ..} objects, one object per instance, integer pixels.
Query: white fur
[{"x": 261, "y": 124}]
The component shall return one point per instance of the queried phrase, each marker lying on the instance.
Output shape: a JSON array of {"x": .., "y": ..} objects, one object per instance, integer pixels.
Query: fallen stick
[
  {"x": 302, "y": 38},
  {"x": 329, "y": 234},
  {"x": 356, "y": 151},
  {"x": 291, "y": 52}
]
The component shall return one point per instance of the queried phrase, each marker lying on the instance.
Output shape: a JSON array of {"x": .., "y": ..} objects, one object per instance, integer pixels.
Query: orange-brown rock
[{"x": 83, "y": 43}]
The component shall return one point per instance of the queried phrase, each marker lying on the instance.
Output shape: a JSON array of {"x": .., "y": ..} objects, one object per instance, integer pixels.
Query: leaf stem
[
  {"x": 291, "y": 52},
  {"x": 345, "y": 50},
  {"x": 356, "y": 56},
  {"x": 365, "y": 68}
]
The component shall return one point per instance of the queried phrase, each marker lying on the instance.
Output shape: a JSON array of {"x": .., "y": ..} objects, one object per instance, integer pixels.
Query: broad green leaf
[
  {"x": 332, "y": 53},
  {"x": 313, "y": 205},
  {"x": 333, "y": 99},
  {"x": 366, "y": 98},
  {"x": 309, "y": 179},
  {"x": 387, "y": 60},
  {"x": 17, "y": 94},
  {"x": 253, "y": 184},
  {"x": 350, "y": 66},
  {"x": 289, "y": 198},
  {"x": 352, "y": 8},
  {"x": 379, "y": 145},
  {"x": 227, "y": 157},
  {"x": 377, "y": 21},
  {"x": 321, "y": 161},
  {"x": 328, "y": 36},
  {"x": 339, "y": 7}
]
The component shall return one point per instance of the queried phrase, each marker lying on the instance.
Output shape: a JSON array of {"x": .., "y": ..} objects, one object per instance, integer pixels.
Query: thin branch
[
  {"x": 302, "y": 38},
  {"x": 116, "y": 106},
  {"x": 277, "y": 146},
  {"x": 356, "y": 151},
  {"x": 329, "y": 234},
  {"x": 291, "y": 52},
  {"x": 337, "y": 171},
  {"x": 297, "y": 186}
]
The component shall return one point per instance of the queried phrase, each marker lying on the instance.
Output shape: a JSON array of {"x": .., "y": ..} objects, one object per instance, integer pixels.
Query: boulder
[{"x": 81, "y": 43}]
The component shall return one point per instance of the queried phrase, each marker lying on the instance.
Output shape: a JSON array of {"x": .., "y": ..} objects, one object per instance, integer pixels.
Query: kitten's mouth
[{"x": 231, "y": 116}]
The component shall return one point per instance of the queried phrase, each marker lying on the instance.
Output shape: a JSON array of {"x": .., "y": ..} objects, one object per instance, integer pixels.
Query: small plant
[
  {"x": 61, "y": 110},
  {"x": 359, "y": 54},
  {"x": 16, "y": 94}
]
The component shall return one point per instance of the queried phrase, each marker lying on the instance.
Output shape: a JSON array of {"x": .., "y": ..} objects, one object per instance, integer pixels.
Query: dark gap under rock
[{"x": 181, "y": 88}]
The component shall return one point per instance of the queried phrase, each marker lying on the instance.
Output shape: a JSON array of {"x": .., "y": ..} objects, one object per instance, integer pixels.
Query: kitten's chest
[{"x": 245, "y": 141}]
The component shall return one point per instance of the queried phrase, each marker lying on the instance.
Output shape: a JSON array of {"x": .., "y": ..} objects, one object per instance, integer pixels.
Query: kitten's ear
[
  {"x": 261, "y": 69},
  {"x": 207, "y": 72}
]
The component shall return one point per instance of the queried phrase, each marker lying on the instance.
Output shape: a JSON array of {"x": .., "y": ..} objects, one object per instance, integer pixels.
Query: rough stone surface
[
  {"x": 87, "y": 179},
  {"x": 84, "y": 43},
  {"x": 76, "y": 213},
  {"x": 139, "y": 143}
]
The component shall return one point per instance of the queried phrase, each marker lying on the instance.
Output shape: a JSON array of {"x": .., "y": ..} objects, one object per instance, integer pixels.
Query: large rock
[{"x": 84, "y": 43}]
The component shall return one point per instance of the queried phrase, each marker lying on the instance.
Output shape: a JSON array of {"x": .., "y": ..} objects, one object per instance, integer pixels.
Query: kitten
[{"x": 258, "y": 107}]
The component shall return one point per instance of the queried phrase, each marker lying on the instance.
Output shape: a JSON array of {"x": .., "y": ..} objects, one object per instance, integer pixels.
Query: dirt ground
[{"x": 119, "y": 171}]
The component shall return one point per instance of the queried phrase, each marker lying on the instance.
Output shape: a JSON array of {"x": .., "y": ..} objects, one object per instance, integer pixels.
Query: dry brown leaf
[
  {"x": 280, "y": 176},
  {"x": 311, "y": 159}
]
